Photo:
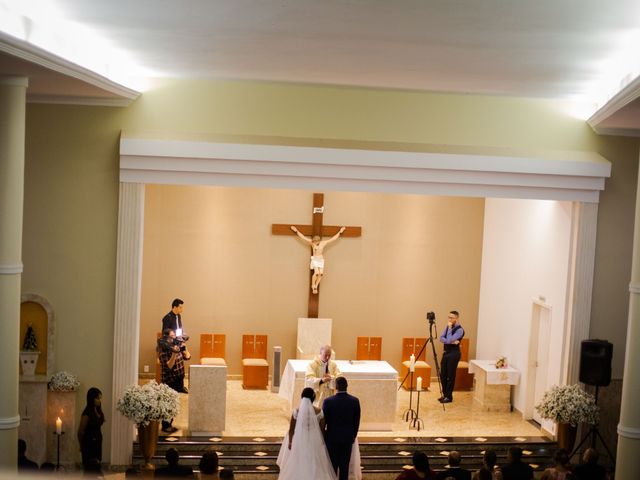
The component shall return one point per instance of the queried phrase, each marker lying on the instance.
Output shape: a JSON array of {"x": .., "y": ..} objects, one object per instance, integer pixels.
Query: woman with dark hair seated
[
  {"x": 421, "y": 469},
  {"x": 489, "y": 470},
  {"x": 303, "y": 453}
]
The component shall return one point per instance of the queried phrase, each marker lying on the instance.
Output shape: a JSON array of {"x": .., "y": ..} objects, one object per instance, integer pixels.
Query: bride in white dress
[{"x": 303, "y": 453}]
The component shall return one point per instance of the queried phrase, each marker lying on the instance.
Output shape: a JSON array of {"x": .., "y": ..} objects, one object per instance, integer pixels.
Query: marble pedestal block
[
  {"x": 492, "y": 390},
  {"x": 207, "y": 399},
  {"x": 32, "y": 405},
  {"x": 492, "y": 398},
  {"x": 63, "y": 405},
  {"x": 313, "y": 333}
]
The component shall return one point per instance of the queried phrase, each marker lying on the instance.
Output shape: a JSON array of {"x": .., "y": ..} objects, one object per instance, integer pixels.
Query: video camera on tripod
[{"x": 431, "y": 317}]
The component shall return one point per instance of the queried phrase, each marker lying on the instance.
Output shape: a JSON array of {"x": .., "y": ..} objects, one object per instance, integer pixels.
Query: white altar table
[
  {"x": 492, "y": 390},
  {"x": 375, "y": 383}
]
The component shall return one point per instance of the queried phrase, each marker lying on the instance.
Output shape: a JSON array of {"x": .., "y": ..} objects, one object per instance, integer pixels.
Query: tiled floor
[{"x": 262, "y": 413}]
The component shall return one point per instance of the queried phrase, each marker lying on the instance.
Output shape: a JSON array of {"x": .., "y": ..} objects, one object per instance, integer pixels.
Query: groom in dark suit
[{"x": 342, "y": 420}]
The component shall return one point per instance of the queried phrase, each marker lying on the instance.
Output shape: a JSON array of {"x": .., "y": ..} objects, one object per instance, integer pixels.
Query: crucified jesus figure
[{"x": 317, "y": 259}]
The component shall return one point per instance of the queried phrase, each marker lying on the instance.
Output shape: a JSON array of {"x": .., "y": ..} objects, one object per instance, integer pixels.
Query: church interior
[{"x": 458, "y": 190}]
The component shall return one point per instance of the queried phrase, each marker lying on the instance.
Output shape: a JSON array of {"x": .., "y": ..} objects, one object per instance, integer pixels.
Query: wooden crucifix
[{"x": 314, "y": 234}]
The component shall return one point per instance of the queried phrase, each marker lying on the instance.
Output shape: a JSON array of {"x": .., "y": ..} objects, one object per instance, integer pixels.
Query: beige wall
[
  {"x": 69, "y": 239},
  {"x": 71, "y": 183},
  {"x": 213, "y": 247},
  {"x": 614, "y": 245}
]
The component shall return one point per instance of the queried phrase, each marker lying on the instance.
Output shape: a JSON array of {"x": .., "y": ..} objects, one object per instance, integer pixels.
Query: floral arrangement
[
  {"x": 568, "y": 404},
  {"x": 30, "y": 344},
  {"x": 63, "y": 382},
  {"x": 501, "y": 362},
  {"x": 149, "y": 402}
]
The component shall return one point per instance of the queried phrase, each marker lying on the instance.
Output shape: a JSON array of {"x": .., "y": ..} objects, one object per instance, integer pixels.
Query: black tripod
[
  {"x": 594, "y": 433},
  {"x": 431, "y": 317}
]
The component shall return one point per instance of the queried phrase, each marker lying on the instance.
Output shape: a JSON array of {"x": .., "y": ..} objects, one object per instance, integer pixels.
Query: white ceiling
[{"x": 537, "y": 48}]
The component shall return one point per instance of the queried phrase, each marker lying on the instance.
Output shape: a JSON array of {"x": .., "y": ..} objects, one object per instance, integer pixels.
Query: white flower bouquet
[
  {"x": 568, "y": 404},
  {"x": 63, "y": 382},
  {"x": 149, "y": 402}
]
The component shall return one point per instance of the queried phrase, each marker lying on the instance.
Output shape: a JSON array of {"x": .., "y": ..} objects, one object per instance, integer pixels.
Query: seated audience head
[
  {"x": 590, "y": 456},
  {"x": 341, "y": 384},
  {"x": 514, "y": 454},
  {"x": 454, "y": 458},
  {"x": 226, "y": 473},
  {"x": 209, "y": 462},
  {"x": 421, "y": 462},
  {"x": 490, "y": 458},
  {"x": 172, "y": 456},
  {"x": 561, "y": 457},
  {"x": 308, "y": 392}
]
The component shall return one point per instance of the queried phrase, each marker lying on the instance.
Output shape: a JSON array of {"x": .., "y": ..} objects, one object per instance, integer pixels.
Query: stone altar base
[
  {"x": 491, "y": 398},
  {"x": 207, "y": 399},
  {"x": 375, "y": 383}
]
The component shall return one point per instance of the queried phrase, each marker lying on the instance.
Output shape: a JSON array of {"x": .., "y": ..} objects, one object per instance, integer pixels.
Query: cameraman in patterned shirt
[{"x": 172, "y": 353}]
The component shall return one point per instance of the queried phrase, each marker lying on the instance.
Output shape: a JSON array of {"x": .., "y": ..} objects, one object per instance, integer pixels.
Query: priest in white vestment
[{"x": 321, "y": 374}]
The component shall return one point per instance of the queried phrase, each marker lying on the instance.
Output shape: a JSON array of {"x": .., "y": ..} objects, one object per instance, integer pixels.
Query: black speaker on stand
[{"x": 595, "y": 369}]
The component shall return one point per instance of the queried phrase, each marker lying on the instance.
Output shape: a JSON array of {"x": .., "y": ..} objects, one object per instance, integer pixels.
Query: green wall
[{"x": 71, "y": 181}]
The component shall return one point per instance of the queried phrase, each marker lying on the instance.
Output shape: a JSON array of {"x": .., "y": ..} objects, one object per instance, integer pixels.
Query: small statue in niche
[{"x": 30, "y": 344}]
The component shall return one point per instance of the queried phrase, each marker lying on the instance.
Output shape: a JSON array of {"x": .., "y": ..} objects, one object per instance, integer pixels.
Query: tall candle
[
  {"x": 419, "y": 384},
  {"x": 58, "y": 426},
  {"x": 412, "y": 363}
]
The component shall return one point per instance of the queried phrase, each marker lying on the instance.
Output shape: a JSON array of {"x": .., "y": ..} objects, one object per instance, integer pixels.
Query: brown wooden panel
[
  {"x": 419, "y": 344},
  {"x": 261, "y": 347},
  {"x": 331, "y": 230},
  {"x": 318, "y": 202},
  {"x": 464, "y": 350},
  {"x": 408, "y": 346},
  {"x": 425, "y": 373},
  {"x": 375, "y": 348},
  {"x": 255, "y": 377},
  {"x": 314, "y": 301},
  {"x": 248, "y": 346},
  {"x": 283, "y": 229},
  {"x": 206, "y": 345},
  {"x": 362, "y": 348},
  {"x": 219, "y": 345},
  {"x": 307, "y": 230}
]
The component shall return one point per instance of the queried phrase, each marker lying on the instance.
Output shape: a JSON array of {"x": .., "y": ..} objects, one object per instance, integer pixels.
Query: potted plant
[
  {"x": 568, "y": 406},
  {"x": 146, "y": 406},
  {"x": 29, "y": 353}
]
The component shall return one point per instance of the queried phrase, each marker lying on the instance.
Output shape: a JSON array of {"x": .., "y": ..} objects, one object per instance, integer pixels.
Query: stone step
[{"x": 381, "y": 457}]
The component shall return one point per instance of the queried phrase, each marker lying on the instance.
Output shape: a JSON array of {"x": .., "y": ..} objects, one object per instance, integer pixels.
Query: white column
[
  {"x": 127, "y": 313},
  {"x": 580, "y": 285},
  {"x": 628, "y": 453},
  {"x": 13, "y": 93}
]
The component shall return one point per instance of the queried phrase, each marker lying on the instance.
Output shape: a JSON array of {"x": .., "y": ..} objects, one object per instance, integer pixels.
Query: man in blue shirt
[{"x": 450, "y": 337}]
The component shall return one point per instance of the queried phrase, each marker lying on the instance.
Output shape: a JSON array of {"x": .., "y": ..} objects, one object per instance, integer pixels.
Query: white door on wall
[{"x": 541, "y": 315}]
